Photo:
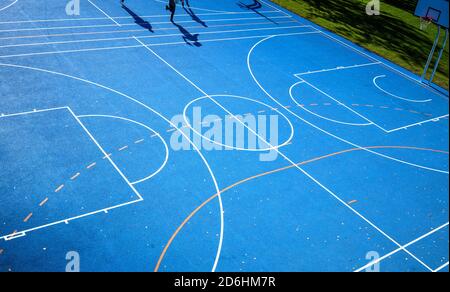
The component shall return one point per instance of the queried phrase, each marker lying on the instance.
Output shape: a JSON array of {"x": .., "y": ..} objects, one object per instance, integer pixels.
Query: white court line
[
  {"x": 276, "y": 8},
  {"x": 383, "y": 63},
  {"x": 192, "y": 7},
  {"x": 194, "y": 146},
  {"x": 7, "y": 6},
  {"x": 128, "y": 24},
  {"x": 316, "y": 127},
  {"x": 105, "y": 154},
  {"x": 320, "y": 116},
  {"x": 393, "y": 95},
  {"x": 419, "y": 123},
  {"x": 24, "y": 232},
  {"x": 155, "y": 134},
  {"x": 98, "y": 8},
  {"x": 135, "y": 30},
  {"x": 358, "y": 51},
  {"x": 148, "y": 37},
  {"x": 31, "y": 112},
  {"x": 344, "y": 105},
  {"x": 124, "y": 17},
  {"x": 337, "y": 68},
  {"x": 367, "y": 119},
  {"x": 281, "y": 154},
  {"x": 400, "y": 249},
  {"x": 441, "y": 267},
  {"x": 324, "y": 131},
  {"x": 66, "y": 221},
  {"x": 137, "y": 46}
]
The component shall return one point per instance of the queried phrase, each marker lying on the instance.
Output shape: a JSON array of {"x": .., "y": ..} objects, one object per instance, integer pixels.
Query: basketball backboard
[{"x": 436, "y": 10}]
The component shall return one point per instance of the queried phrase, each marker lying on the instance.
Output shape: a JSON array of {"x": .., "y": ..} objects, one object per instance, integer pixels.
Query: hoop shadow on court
[
  {"x": 254, "y": 7},
  {"x": 138, "y": 20}
]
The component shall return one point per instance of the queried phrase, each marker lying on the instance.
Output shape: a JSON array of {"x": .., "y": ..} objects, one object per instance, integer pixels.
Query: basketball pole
[
  {"x": 430, "y": 56},
  {"x": 440, "y": 56}
]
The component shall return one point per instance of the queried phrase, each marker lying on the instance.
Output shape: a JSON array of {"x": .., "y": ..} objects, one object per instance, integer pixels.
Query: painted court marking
[
  {"x": 127, "y": 97},
  {"x": 22, "y": 233},
  {"x": 123, "y": 17},
  {"x": 9, "y": 5},
  {"x": 201, "y": 206},
  {"x": 133, "y": 30},
  {"x": 148, "y": 37},
  {"x": 108, "y": 155},
  {"x": 109, "y": 17},
  {"x": 285, "y": 157},
  {"x": 130, "y": 24},
  {"x": 326, "y": 189},
  {"x": 394, "y": 95}
]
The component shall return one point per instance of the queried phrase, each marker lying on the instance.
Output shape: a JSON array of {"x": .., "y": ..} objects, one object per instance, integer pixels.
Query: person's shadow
[
  {"x": 193, "y": 15},
  {"x": 189, "y": 39},
  {"x": 138, "y": 20},
  {"x": 254, "y": 7}
]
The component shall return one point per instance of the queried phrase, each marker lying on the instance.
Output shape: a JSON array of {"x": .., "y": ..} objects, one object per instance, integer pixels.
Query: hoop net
[{"x": 425, "y": 22}]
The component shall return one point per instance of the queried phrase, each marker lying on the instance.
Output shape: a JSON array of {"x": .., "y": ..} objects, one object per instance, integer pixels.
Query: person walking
[{"x": 171, "y": 7}]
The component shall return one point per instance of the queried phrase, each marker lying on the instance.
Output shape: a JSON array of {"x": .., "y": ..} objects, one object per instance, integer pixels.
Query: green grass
[{"x": 394, "y": 35}]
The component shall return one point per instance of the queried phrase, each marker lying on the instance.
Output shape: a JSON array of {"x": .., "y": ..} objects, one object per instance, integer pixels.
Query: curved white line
[
  {"x": 219, "y": 194},
  {"x": 196, "y": 8},
  {"x": 166, "y": 159},
  {"x": 232, "y": 147},
  {"x": 320, "y": 116},
  {"x": 393, "y": 95},
  {"x": 7, "y": 6},
  {"x": 320, "y": 129}
]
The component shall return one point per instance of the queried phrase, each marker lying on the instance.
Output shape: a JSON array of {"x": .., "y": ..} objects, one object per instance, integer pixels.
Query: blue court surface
[{"x": 92, "y": 105}]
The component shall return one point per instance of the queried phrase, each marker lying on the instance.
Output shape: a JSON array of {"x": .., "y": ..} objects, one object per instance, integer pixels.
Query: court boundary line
[
  {"x": 106, "y": 14},
  {"x": 77, "y": 121},
  {"x": 285, "y": 157}
]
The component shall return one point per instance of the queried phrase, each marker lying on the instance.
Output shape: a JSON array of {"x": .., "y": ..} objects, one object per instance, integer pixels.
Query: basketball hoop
[{"x": 425, "y": 22}]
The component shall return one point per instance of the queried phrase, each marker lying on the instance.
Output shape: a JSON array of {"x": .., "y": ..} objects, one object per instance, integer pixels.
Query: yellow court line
[
  {"x": 59, "y": 188},
  {"x": 43, "y": 202},
  {"x": 188, "y": 218},
  {"x": 27, "y": 218}
]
